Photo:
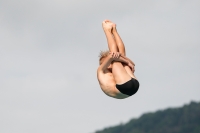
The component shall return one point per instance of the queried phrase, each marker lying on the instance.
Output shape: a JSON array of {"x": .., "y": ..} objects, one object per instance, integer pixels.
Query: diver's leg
[
  {"x": 128, "y": 70},
  {"x": 119, "y": 41},
  {"x": 107, "y": 27},
  {"x": 121, "y": 48},
  {"x": 119, "y": 72}
]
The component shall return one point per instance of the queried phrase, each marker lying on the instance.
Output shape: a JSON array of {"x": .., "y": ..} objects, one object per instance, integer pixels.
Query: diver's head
[{"x": 102, "y": 56}]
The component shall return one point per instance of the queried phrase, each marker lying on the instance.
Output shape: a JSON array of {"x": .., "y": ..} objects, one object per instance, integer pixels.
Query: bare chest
[{"x": 106, "y": 81}]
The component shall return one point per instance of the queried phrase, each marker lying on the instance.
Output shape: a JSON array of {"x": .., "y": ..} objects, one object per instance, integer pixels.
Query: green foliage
[{"x": 173, "y": 120}]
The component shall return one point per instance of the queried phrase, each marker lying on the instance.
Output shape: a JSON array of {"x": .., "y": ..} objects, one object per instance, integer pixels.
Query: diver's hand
[
  {"x": 131, "y": 62},
  {"x": 132, "y": 67},
  {"x": 115, "y": 55}
]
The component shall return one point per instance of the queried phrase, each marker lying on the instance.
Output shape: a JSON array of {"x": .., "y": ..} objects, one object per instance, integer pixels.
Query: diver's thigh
[
  {"x": 119, "y": 73},
  {"x": 128, "y": 70}
]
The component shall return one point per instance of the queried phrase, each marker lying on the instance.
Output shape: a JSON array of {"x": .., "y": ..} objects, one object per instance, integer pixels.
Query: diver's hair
[{"x": 103, "y": 54}]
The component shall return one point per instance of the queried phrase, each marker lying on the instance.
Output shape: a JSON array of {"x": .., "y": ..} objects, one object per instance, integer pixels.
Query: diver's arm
[
  {"x": 109, "y": 59},
  {"x": 121, "y": 59},
  {"x": 128, "y": 59},
  {"x": 118, "y": 57}
]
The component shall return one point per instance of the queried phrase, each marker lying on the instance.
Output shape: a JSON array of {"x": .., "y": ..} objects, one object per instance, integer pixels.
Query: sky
[{"x": 49, "y": 56}]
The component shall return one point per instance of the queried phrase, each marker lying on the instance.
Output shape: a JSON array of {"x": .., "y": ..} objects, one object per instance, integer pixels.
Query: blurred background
[{"x": 49, "y": 56}]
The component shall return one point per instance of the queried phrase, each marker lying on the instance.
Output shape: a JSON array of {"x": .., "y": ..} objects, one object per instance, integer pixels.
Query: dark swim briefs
[{"x": 129, "y": 88}]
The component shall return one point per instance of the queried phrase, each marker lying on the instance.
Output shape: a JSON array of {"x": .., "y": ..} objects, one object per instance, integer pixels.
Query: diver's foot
[
  {"x": 114, "y": 26},
  {"x": 107, "y": 26}
]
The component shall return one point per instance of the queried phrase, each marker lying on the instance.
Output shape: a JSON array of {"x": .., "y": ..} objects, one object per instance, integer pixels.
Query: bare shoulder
[
  {"x": 105, "y": 74},
  {"x": 100, "y": 74},
  {"x": 99, "y": 70}
]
